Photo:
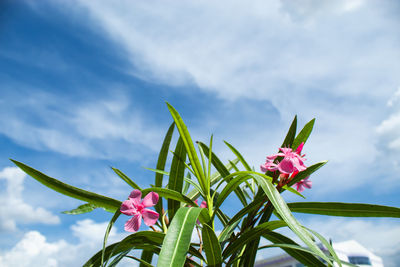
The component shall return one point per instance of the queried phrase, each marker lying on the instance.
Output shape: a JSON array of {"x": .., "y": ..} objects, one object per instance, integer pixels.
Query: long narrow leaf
[
  {"x": 223, "y": 170},
  {"x": 162, "y": 158},
  {"x": 141, "y": 239},
  {"x": 240, "y": 157},
  {"x": 126, "y": 178},
  {"x": 304, "y": 134},
  {"x": 211, "y": 246},
  {"x": 85, "y": 208},
  {"x": 176, "y": 176},
  {"x": 305, "y": 257},
  {"x": 177, "y": 240},
  {"x": 169, "y": 194},
  {"x": 190, "y": 149},
  {"x": 283, "y": 210},
  {"x": 327, "y": 245},
  {"x": 71, "y": 191},
  {"x": 291, "y": 134},
  {"x": 252, "y": 234},
  {"x": 307, "y": 172},
  {"x": 147, "y": 256},
  {"x": 215, "y": 178},
  {"x": 109, "y": 226},
  {"x": 344, "y": 209}
]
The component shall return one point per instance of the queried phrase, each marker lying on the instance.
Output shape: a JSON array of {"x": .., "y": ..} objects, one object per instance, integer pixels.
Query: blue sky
[{"x": 84, "y": 84}]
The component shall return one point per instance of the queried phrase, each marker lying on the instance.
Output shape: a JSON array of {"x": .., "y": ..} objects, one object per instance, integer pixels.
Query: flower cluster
[
  {"x": 136, "y": 207},
  {"x": 291, "y": 163}
]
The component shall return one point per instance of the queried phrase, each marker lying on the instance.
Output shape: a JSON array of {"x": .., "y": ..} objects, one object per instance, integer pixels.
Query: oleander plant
[{"x": 183, "y": 210}]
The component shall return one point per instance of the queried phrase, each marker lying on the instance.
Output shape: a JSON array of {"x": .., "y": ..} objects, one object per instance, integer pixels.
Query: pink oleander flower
[
  {"x": 303, "y": 183},
  {"x": 135, "y": 207},
  {"x": 291, "y": 162}
]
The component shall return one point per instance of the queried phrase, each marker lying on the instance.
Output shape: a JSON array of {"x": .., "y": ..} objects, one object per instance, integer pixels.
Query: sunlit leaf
[
  {"x": 177, "y": 240},
  {"x": 303, "y": 135},
  {"x": 126, "y": 178},
  {"x": 176, "y": 176},
  {"x": 345, "y": 209},
  {"x": 212, "y": 247},
  {"x": 162, "y": 158},
  {"x": 71, "y": 191}
]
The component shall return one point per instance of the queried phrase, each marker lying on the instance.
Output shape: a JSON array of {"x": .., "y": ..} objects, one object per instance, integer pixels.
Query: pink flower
[
  {"x": 135, "y": 207},
  {"x": 291, "y": 162},
  {"x": 303, "y": 183}
]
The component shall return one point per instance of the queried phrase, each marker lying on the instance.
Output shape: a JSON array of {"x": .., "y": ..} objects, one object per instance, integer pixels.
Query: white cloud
[
  {"x": 15, "y": 210},
  {"x": 101, "y": 128},
  {"x": 259, "y": 50},
  {"x": 335, "y": 61},
  {"x": 34, "y": 249}
]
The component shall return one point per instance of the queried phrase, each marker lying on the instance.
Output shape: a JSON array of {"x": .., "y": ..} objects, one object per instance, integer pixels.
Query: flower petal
[
  {"x": 136, "y": 196},
  {"x": 150, "y": 199},
  {"x": 286, "y": 166},
  {"x": 299, "y": 187},
  {"x": 128, "y": 208},
  {"x": 150, "y": 217},
  {"x": 300, "y": 148},
  {"x": 133, "y": 224}
]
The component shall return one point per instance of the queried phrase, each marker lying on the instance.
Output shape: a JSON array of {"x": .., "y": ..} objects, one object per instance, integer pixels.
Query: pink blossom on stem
[
  {"x": 291, "y": 162},
  {"x": 305, "y": 183},
  {"x": 136, "y": 206}
]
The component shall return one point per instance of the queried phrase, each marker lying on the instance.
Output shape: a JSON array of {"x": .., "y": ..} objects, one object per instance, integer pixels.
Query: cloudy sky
[{"x": 84, "y": 84}]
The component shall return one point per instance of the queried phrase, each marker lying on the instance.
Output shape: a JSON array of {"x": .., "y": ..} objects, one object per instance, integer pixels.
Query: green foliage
[{"x": 195, "y": 173}]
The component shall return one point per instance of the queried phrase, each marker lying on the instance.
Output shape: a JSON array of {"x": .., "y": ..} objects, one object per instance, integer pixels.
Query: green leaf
[
  {"x": 211, "y": 246},
  {"x": 126, "y": 178},
  {"x": 327, "y": 245},
  {"x": 142, "y": 262},
  {"x": 228, "y": 230},
  {"x": 169, "y": 194},
  {"x": 305, "y": 257},
  {"x": 299, "y": 248},
  {"x": 186, "y": 185},
  {"x": 246, "y": 210},
  {"x": 85, "y": 208},
  {"x": 176, "y": 176},
  {"x": 71, "y": 191},
  {"x": 143, "y": 239},
  {"x": 291, "y": 134},
  {"x": 283, "y": 210},
  {"x": 307, "y": 172},
  {"x": 177, "y": 240},
  {"x": 304, "y": 134},
  {"x": 240, "y": 157},
  {"x": 162, "y": 158},
  {"x": 223, "y": 171},
  {"x": 251, "y": 235},
  {"x": 118, "y": 258},
  {"x": 109, "y": 226},
  {"x": 147, "y": 256},
  {"x": 215, "y": 178},
  {"x": 344, "y": 209},
  {"x": 229, "y": 187},
  {"x": 157, "y": 171},
  {"x": 190, "y": 149}
]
